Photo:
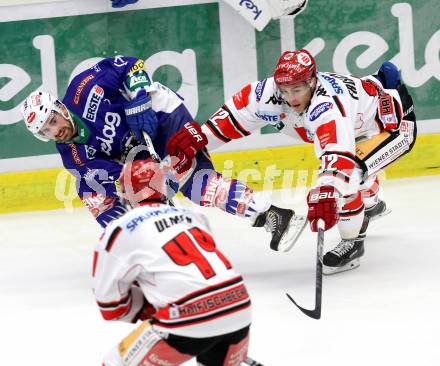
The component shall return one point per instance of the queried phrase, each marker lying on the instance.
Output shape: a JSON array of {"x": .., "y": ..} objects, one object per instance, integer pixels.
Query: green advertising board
[{"x": 184, "y": 46}]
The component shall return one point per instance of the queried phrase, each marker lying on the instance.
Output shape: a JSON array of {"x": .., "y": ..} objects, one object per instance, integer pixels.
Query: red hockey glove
[
  {"x": 322, "y": 205},
  {"x": 146, "y": 312},
  {"x": 188, "y": 140}
]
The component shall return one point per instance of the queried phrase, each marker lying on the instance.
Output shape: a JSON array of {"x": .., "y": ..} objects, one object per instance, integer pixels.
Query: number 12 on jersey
[{"x": 183, "y": 251}]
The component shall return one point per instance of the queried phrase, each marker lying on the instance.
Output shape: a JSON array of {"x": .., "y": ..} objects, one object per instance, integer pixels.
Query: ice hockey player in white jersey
[
  {"x": 358, "y": 126},
  {"x": 160, "y": 265}
]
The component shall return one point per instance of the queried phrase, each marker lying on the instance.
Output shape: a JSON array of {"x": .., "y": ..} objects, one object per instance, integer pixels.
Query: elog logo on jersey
[
  {"x": 93, "y": 102},
  {"x": 112, "y": 120}
]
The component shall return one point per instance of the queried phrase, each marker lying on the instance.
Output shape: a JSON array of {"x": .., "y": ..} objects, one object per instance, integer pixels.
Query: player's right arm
[{"x": 237, "y": 118}]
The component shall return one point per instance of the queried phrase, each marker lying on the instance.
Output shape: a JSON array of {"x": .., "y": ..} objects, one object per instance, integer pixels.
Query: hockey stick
[
  {"x": 250, "y": 362},
  {"x": 316, "y": 312},
  {"x": 154, "y": 155},
  {"x": 149, "y": 144}
]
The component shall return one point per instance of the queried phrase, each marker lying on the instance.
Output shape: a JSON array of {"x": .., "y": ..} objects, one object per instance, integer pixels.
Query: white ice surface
[{"x": 386, "y": 312}]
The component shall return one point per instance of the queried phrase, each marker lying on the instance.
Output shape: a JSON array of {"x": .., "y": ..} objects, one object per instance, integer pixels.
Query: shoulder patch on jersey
[
  {"x": 241, "y": 99},
  {"x": 81, "y": 87},
  {"x": 259, "y": 89},
  {"x": 320, "y": 109},
  {"x": 369, "y": 87},
  {"x": 75, "y": 154},
  {"x": 326, "y": 134},
  {"x": 333, "y": 83}
]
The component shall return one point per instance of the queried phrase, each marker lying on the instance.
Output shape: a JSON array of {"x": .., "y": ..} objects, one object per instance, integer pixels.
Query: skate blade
[
  {"x": 386, "y": 212},
  {"x": 355, "y": 263},
  {"x": 296, "y": 227}
]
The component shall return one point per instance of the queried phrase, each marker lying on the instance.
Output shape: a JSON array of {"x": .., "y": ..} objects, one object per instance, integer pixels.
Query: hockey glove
[
  {"x": 323, "y": 205},
  {"x": 147, "y": 311},
  {"x": 122, "y": 3},
  {"x": 140, "y": 117},
  {"x": 186, "y": 143},
  {"x": 389, "y": 75}
]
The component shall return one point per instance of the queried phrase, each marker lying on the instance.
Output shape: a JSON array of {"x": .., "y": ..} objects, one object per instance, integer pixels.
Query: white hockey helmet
[{"x": 37, "y": 109}]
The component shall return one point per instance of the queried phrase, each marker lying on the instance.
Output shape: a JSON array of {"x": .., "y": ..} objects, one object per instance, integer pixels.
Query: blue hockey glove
[
  {"x": 389, "y": 75},
  {"x": 140, "y": 117},
  {"x": 122, "y": 3}
]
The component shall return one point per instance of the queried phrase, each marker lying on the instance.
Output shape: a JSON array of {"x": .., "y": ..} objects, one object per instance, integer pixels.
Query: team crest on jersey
[
  {"x": 260, "y": 89},
  {"x": 93, "y": 102},
  {"x": 320, "y": 109}
]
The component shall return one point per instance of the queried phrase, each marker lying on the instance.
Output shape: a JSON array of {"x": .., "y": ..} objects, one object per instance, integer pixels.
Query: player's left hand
[
  {"x": 122, "y": 3},
  {"x": 187, "y": 141},
  {"x": 140, "y": 117}
]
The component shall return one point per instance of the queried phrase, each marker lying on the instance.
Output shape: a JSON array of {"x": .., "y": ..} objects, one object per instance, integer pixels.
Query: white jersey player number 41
[{"x": 259, "y": 12}]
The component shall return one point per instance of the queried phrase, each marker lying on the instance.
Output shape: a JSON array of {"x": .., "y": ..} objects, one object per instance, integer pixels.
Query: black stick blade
[
  {"x": 251, "y": 362},
  {"x": 315, "y": 313}
]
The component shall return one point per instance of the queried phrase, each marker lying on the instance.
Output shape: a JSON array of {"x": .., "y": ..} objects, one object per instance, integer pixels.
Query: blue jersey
[{"x": 96, "y": 99}]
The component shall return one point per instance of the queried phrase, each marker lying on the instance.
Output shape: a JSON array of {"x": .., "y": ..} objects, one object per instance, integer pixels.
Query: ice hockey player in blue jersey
[{"x": 99, "y": 124}]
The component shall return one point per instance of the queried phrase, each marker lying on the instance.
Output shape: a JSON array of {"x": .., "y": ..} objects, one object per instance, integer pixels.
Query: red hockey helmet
[
  {"x": 143, "y": 180},
  {"x": 294, "y": 67}
]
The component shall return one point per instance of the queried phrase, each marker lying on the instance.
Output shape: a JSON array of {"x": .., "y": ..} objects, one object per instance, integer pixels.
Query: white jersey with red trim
[
  {"x": 343, "y": 109},
  {"x": 170, "y": 255}
]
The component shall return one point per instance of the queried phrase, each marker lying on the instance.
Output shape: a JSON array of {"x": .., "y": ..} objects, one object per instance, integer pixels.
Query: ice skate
[
  {"x": 284, "y": 226},
  {"x": 345, "y": 256},
  {"x": 377, "y": 211}
]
